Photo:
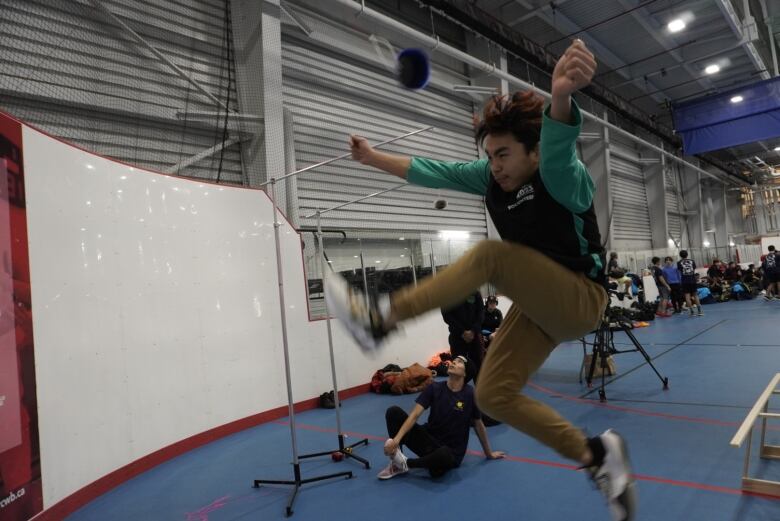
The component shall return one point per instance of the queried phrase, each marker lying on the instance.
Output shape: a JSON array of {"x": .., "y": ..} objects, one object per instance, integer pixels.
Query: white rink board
[{"x": 156, "y": 313}]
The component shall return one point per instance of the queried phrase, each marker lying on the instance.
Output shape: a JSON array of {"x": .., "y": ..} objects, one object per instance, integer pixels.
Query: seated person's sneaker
[
  {"x": 364, "y": 320},
  {"x": 396, "y": 467},
  {"x": 613, "y": 477},
  {"x": 399, "y": 458}
]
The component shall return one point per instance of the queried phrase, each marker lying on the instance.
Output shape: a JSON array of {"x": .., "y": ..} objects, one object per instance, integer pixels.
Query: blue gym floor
[{"x": 717, "y": 366}]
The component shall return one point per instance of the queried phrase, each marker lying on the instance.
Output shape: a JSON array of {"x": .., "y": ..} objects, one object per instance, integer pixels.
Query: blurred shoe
[
  {"x": 613, "y": 477},
  {"x": 363, "y": 320}
]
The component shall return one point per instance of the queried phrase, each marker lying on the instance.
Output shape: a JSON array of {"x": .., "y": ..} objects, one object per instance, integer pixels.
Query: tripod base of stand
[
  {"x": 297, "y": 482},
  {"x": 345, "y": 450}
]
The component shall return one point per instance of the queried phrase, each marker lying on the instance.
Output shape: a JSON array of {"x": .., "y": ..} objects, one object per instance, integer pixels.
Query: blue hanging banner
[{"x": 715, "y": 122}]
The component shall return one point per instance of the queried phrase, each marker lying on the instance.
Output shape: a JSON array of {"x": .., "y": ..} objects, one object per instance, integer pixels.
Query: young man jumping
[{"x": 550, "y": 263}]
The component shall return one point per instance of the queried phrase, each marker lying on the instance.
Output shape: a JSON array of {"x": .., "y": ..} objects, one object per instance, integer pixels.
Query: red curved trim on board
[{"x": 97, "y": 488}]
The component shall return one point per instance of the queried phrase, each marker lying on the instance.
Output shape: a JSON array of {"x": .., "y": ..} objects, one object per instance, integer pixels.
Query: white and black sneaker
[
  {"x": 613, "y": 477},
  {"x": 364, "y": 320}
]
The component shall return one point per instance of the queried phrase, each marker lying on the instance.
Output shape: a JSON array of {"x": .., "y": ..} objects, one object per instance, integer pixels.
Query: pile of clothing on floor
[{"x": 391, "y": 379}]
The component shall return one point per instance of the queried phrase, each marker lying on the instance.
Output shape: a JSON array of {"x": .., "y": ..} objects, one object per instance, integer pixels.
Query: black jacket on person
[
  {"x": 492, "y": 320},
  {"x": 466, "y": 316}
]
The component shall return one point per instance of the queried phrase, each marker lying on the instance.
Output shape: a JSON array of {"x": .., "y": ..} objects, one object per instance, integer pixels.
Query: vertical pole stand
[{"x": 297, "y": 480}]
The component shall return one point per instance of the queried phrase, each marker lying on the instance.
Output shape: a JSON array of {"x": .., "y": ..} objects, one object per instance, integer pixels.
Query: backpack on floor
[{"x": 611, "y": 367}]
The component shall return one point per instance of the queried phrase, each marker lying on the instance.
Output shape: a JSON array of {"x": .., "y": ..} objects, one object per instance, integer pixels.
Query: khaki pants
[{"x": 552, "y": 304}]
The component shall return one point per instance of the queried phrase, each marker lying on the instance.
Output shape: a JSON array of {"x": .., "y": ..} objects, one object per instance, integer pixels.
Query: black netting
[{"x": 72, "y": 70}]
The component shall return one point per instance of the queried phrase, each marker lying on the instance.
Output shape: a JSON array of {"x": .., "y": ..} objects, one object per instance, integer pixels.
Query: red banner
[{"x": 20, "y": 466}]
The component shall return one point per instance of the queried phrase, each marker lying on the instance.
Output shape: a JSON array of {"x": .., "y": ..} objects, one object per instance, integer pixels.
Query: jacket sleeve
[
  {"x": 452, "y": 319},
  {"x": 471, "y": 177},
  {"x": 563, "y": 174}
]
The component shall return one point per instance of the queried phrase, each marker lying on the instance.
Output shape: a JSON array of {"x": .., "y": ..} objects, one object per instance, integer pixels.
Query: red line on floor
[
  {"x": 567, "y": 466},
  {"x": 643, "y": 412}
]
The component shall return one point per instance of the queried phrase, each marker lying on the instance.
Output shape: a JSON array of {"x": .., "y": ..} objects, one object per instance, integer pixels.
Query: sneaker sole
[
  {"x": 628, "y": 499},
  {"x": 337, "y": 300},
  {"x": 391, "y": 476}
]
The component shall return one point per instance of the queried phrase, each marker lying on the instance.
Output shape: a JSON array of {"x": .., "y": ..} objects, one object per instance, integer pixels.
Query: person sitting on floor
[
  {"x": 752, "y": 280},
  {"x": 733, "y": 272},
  {"x": 439, "y": 444}
]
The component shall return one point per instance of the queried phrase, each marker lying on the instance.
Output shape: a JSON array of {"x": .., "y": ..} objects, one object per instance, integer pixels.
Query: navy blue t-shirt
[
  {"x": 451, "y": 415},
  {"x": 687, "y": 268},
  {"x": 770, "y": 263}
]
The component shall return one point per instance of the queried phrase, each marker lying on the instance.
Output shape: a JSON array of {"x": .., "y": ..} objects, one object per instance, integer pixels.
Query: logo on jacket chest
[{"x": 524, "y": 194}]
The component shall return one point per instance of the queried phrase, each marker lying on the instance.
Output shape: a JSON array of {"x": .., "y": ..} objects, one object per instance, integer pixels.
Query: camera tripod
[{"x": 604, "y": 346}]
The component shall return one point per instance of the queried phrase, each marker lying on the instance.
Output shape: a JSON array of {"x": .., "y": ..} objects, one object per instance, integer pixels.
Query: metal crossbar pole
[
  {"x": 353, "y": 201},
  {"x": 343, "y": 156}
]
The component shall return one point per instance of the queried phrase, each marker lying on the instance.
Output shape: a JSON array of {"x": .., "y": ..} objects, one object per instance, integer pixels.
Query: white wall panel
[{"x": 156, "y": 313}]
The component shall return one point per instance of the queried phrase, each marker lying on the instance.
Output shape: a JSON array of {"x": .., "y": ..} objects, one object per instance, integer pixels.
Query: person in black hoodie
[
  {"x": 465, "y": 323},
  {"x": 493, "y": 317}
]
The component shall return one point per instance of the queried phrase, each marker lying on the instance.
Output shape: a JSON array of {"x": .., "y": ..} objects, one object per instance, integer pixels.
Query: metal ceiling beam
[
  {"x": 642, "y": 16},
  {"x": 598, "y": 48},
  {"x": 688, "y": 61},
  {"x": 771, "y": 30},
  {"x": 736, "y": 27},
  {"x": 681, "y": 6},
  {"x": 535, "y": 11},
  {"x": 378, "y": 19}
]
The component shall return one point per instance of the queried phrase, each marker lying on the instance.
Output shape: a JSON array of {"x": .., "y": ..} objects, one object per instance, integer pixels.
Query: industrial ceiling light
[
  {"x": 777, "y": 149},
  {"x": 676, "y": 25},
  {"x": 737, "y": 99},
  {"x": 712, "y": 69}
]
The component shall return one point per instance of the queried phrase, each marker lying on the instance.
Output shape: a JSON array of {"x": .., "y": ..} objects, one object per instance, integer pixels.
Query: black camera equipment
[{"x": 613, "y": 320}]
